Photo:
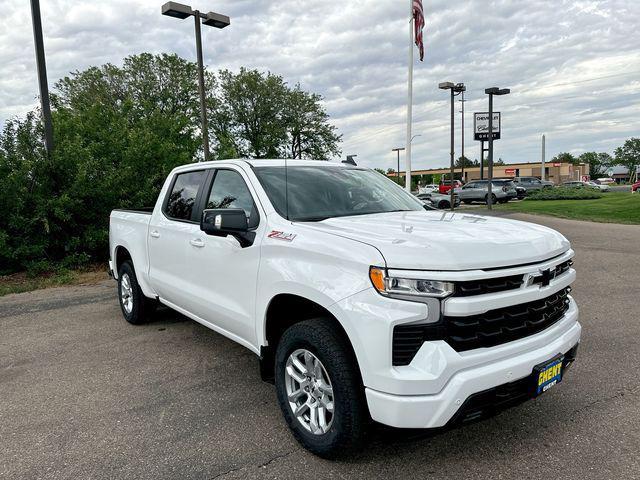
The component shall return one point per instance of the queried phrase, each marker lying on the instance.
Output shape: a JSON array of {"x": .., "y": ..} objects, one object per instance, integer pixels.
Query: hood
[{"x": 446, "y": 241}]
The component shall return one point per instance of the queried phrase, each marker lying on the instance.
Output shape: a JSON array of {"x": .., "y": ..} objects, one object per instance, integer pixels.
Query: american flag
[{"x": 418, "y": 23}]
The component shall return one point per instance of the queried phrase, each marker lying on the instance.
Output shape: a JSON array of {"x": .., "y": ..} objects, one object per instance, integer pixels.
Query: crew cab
[{"x": 361, "y": 304}]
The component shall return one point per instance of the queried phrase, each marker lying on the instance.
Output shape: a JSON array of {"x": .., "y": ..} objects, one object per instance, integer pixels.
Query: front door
[{"x": 223, "y": 275}]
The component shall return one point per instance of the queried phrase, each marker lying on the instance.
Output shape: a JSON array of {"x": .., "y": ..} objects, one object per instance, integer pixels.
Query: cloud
[{"x": 573, "y": 66}]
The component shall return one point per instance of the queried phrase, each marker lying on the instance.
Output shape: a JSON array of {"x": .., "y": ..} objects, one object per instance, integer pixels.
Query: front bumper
[
  {"x": 428, "y": 392},
  {"x": 432, "y": 411}
]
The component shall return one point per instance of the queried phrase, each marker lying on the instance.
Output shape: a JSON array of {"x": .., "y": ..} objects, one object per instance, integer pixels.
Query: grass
[
  {"x": 21, "y": 282},
  {"x": 613, "y": 207}
]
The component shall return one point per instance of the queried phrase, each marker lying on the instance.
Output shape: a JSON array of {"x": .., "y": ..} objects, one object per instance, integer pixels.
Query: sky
[{"x": 573, "y": 66}]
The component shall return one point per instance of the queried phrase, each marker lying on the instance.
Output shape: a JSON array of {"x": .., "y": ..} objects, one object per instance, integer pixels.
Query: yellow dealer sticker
[{"x": 549, "y": 375}]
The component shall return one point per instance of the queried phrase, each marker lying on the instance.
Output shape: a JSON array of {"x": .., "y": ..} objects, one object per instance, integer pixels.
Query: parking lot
[{"x": 83, "y": 394}]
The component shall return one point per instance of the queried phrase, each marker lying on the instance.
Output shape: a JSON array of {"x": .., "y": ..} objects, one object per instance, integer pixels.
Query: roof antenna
[{"x": 350, "y": 160}]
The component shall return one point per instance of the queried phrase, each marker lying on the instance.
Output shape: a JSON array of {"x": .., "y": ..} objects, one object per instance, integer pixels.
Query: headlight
[{"x": 399, "y": 287}]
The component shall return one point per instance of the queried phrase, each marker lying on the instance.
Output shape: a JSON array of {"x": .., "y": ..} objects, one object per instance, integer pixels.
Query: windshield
[{"x": 318, "y": 193}]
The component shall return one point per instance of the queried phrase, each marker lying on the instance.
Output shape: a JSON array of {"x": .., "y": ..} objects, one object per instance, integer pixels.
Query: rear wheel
[
  {"x": 319, "y": 388},
  {"x": 493, "y": 199},
  {"x": 136, "y": 308}
]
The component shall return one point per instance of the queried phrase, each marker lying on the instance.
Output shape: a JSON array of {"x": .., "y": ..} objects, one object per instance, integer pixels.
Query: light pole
[
  {"x": 211, "y": 19},
  {"x": 491, "y": 92},
  {"x": 462, "y": 100},
  {"x": 42, "y": 76},
  {"x": 455, "y": 90},
  {"x": 398, "y": 150}
]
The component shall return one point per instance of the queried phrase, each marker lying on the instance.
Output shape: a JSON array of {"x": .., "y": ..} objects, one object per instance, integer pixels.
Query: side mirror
[{"x": 221, "y": 222}]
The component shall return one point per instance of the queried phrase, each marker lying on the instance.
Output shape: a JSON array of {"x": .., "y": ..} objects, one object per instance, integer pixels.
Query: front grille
[
  {"x": 489, "y": 329},
  {"x": 487, "y": 285},
  {"x": 553, "y": 273}
]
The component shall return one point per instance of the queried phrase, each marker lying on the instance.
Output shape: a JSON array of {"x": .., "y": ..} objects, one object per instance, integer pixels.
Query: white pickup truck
[{"x": 360, "y": 303}]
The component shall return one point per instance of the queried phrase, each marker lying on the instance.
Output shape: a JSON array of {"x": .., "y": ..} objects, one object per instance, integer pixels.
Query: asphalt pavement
[{"x": 85, "y": 395}]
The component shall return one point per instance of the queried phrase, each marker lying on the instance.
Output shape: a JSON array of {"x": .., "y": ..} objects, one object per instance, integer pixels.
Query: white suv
[{"x": 361, "y": 304}]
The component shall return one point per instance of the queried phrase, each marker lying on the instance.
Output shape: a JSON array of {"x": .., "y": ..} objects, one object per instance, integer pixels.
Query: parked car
[
  {"x": 428, "y": 188},
  {"x": 580, "y": 184},
  {"x": 635, "y": 187},
  {"x": 360, "y": 304},
  {"x": 440, "y": 201},
  {"x": 521, "y": 192},
  {"x": 603, "y": 187},
  {"x": 606, "y": 181},
  {"x": 478, "y": 191},
  {"x": 532, "y": 183},
  {"x": 445, "y": 186}
]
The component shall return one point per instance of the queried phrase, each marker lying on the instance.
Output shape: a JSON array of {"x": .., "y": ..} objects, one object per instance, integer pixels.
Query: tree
[
  {"x": 381, "y": 171},
  {"x": 309, "y": 133},
  {"x": 565, "y": 157},
  {"x": 391, "y": 170},
  {"x": 628, "y": 155},
  {"x": 257, "y": 115},
  {"x": 499, "y": 163},
  {"x": 467, "y": 162},
  {"x": 598, "y": 163},
  {"x": 119, "y": 130}
]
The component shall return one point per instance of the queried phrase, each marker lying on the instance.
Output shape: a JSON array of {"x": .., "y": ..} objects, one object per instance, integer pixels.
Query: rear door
[
  {"x": 222, "y": 275},
  {"x": 466, "y": 193},
  {"x": 170, "y": 232}
]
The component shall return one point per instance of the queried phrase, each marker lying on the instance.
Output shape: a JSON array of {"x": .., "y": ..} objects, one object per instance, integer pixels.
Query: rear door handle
[
  {"x": 196, "y": 242},
  {"x": 154, "y": 234}
]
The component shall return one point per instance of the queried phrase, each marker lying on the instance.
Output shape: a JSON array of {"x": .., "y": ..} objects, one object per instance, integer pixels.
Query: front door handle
[
  {"x": 154, "y": 234},
  {"x": 196, "y": 242}
]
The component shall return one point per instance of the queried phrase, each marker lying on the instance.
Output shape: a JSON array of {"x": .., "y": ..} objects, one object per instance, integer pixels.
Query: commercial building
[{"x": 554, "y": 172}]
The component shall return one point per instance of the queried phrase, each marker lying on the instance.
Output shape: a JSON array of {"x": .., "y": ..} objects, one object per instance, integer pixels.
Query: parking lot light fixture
[
  {"x": 176, "y": 10},
  {"x": 211, "y": 19},
  {"x": 216, "y": 20},
  {"x": 491, "y": 92}
]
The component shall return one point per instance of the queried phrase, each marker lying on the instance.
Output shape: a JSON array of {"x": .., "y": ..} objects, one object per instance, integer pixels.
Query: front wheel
[{"x": 319, "y": 388}]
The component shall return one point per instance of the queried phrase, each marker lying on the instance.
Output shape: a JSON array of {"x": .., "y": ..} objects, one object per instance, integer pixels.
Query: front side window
[
  {"x": 183, "y": 195},
  {"x": 229, "y": 190},
  {"x": 309, "y": 193}
]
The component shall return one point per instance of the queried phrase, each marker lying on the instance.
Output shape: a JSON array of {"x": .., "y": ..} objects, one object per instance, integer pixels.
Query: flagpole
[{"x": 409, "y": 102}]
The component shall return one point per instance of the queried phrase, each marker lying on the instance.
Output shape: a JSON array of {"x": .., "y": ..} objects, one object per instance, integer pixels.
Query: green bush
[{"x": 564, "y": 193}]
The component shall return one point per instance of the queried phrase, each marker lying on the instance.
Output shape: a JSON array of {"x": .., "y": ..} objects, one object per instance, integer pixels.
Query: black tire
[
  {"x": 494, "y": 199},
  {"x": 141, "y": 307},
  {"x": 443, "y": 205},
  {"x": 351, "y": 419}
]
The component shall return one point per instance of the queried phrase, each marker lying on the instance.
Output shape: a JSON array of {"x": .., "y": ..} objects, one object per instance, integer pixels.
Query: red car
[
  {"x": 635, "y": 187},
  {"x": 445, "y": 186}
]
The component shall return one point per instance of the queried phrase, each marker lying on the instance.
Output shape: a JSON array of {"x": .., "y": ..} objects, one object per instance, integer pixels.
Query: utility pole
[
  {"x": 42, "y": 76},
  {"x": 491, "y": 92},
  {"x": 398, "y": 150},
  {"x": 462, "y": 100},
  {"x": 542, "y": 170},
  {"x": 203, "y": 102}
]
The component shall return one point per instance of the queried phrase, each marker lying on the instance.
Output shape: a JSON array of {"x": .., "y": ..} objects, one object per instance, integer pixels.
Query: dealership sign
[
  {"x": 509, "y": 171},
  {"x": 481, "y": 126}
]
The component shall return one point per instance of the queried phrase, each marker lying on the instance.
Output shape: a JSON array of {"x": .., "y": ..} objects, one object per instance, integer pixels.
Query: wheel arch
[
  {"x": 121, "y": 254},
  {"x": 283, "y": 311}
]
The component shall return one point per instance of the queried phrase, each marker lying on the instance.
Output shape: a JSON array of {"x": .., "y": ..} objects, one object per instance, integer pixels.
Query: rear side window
[
  {"x": 183, "y": 195},
  {"x": 229, "y": 190}
]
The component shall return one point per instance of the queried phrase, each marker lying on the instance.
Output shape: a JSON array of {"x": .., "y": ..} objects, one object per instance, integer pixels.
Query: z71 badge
[{"x": 287, "y": 237}]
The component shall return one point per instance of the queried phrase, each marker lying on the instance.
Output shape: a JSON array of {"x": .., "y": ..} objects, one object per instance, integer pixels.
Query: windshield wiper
[{"x": 310, "y": 219}]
